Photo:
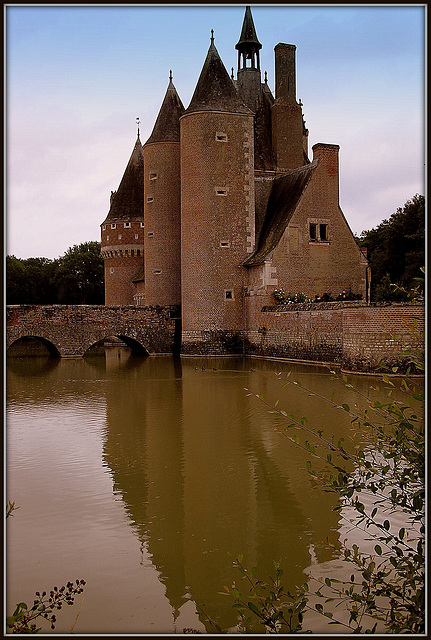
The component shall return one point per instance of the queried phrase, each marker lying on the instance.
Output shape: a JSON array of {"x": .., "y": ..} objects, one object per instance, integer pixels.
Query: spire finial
[
  {"x": 212, "y": 37},
  {"x": 231, "y": 75},
  {"x": 170, "y": 75},
  {"x": 138, "y": 122},
  {"x": 266, "y": 77}
]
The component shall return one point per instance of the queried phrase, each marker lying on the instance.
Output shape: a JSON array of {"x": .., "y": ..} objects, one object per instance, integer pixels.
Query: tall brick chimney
[{"x": 287, "y": 128}]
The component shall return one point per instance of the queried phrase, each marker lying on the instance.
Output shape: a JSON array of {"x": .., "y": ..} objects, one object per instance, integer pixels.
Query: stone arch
[
  {"x": 136, "y": 347},
  {"x": 53, "y": 350}
]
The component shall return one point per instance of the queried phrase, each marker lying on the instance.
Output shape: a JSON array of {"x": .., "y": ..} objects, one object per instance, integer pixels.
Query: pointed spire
[
  {"x": 167, "y": 126},
  {"x": 248, "y": 45},
  {"x": 128, "y": 201},
  {"x": 215, "y": 89}
]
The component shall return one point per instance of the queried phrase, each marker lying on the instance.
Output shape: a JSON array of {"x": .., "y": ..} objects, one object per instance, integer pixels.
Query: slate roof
[
  {"x": 167, "y": 125},
  {"x": 128, "y": 201},
  {"x": 248, "y": 32},
  {"x": 215, "y": 90},
  {"x": 286, "y": 192}
]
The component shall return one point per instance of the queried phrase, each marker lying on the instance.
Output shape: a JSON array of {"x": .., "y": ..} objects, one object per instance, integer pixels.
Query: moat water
[{"x": 147, "y": 477}]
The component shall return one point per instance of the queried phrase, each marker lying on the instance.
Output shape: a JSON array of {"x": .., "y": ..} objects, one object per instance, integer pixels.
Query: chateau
[{"x": 223, "y": 204}]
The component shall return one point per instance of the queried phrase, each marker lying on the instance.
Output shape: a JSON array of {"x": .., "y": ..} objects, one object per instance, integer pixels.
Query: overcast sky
[{"x": 77, "y": 77}]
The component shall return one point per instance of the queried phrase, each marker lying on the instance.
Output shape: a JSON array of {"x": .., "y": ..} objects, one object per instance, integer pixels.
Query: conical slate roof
[
  {"x": 128, "y": 201},
  {"x": 248, "y": 33},
  {"x": 215, "y": 90},
  {"x": 167, "y": 126}
]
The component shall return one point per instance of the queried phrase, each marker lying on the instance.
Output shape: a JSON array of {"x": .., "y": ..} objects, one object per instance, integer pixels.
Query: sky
[{"x": 78, "y": 76}]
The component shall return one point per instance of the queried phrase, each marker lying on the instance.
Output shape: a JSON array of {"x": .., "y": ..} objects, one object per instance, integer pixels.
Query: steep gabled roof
[
  {"x": 285, "y": 194},
  {"x": 128, "y": 201},
  {"x": 215, "y": 90},
  {"x": 167, "y": 126}
]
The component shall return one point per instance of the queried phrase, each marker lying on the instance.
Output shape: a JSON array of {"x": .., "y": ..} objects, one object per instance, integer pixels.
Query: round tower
[
  {"x": 162, "y": 205},
  {"x": 217, "y": 203},
  {"x": 122, "y": 235}
]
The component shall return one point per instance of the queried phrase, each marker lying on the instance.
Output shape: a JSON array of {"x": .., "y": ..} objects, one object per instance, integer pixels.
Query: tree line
[
  {"x": 395, "y": 250},
  {"x": 77, "y": 277}
]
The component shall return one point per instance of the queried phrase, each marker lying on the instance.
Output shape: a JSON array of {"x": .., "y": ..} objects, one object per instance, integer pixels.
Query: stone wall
[{"x": 70, "y": 330}]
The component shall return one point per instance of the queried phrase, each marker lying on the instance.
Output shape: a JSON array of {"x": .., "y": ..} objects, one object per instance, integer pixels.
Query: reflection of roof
[
  {"x": 167, "y": 126},
  {"x": 128, "y": 201},
  {"x": 215, "y": 89},
  {"x": 286, "y": 192}
]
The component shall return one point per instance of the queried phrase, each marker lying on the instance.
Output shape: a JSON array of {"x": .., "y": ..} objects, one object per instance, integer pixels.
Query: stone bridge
[{"x": 70, "y": 330}]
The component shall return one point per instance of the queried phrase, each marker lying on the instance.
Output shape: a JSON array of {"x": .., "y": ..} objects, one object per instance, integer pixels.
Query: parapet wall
[{"x": 356, "y": 336}]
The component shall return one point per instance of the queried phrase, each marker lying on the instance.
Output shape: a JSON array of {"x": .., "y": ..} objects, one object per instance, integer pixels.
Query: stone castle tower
[{"x": 222, "y": 205}]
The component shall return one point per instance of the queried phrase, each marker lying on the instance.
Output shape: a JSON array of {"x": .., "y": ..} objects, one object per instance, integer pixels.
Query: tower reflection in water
[{"x": 204, "y": 476}]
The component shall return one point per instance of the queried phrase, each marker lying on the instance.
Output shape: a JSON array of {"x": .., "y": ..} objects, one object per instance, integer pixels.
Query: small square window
[
  {"x": 127, "y": 225},
  {"x": 150, "y": 234},
  {"x": 153, "y": 175},
  {"x": 150, "y": 198},
  {"x": 228, "y": 294},
  {"x": 104, "y": 227},
  {"x": 141, "y": 225},
  {"x": 113, "y": 226}
]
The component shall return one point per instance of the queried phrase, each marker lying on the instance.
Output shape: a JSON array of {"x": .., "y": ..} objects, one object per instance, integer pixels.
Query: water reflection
[{"x": 198, "y": 466}]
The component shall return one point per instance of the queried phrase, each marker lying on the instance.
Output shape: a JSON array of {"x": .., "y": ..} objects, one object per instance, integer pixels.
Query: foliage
[
  {"x": 23, "y": 618},
  {"x": 396, "y": 251},
  {"x": 30, "y": 281},
  {"x": 77, "y": 277},
  {"x": 282, "y": 298},
  {"x": 10, "y": 509}
]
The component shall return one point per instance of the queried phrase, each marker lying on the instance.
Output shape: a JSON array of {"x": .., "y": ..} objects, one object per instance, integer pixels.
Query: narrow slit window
[
  {"x": 221, "y": 137},
  {"x": 225, "y": 243},
  {"x": 157, "y": 272},
  {"x": 150, "y": 198},
  {"x": 220, "y": 191},
  {"x": 313, "y": 231},
  {"x": 153, "y": 175},
  {"x": 150, "y": 234},
  {"x": 136, "y": 236},
  {"x": 119, "y": 236}
]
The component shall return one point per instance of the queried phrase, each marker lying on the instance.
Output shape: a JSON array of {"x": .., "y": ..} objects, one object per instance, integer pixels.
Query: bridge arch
[
  {"x": 53, "y": 350},
  {"x": 136, "y": 347}
]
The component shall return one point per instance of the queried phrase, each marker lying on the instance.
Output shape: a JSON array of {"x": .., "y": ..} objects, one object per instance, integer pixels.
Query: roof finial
[
  {"x": 266, "y": 77},
  {"x": 212, "y": 37},
  {"x": 231, "y": 75},
  {"x": 138, "y": 122},
  {"x": 170, "y": 75}
]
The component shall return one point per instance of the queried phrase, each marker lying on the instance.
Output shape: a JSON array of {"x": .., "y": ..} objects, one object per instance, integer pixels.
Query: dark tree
[
  {"x": 79, "y": 276},
  {"x": 30, "y": 281},
  {"x": 396, "y": 251}
]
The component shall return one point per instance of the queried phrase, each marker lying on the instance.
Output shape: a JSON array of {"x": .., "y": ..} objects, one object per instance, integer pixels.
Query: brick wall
[
  {"x": 122, "y": 248},
  {"x": 217, "y": 219},
  {"x": 162, "y": 213}
]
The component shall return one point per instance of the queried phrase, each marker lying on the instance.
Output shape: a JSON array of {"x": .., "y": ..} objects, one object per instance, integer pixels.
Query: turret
[
  {"x": 248, "y": 76},
  {"x": 162, "y": 204},
  {"x": 217, "y": 202},
  {"x": 122, "y": 241}
]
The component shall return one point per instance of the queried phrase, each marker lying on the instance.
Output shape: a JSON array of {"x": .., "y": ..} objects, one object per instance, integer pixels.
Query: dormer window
[{"x": 318, "y": 231}]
